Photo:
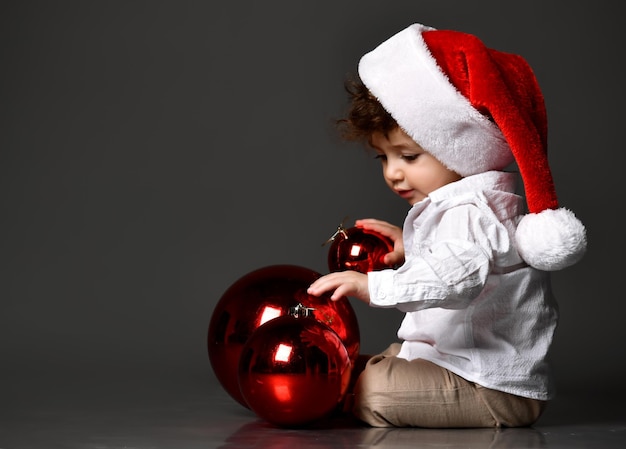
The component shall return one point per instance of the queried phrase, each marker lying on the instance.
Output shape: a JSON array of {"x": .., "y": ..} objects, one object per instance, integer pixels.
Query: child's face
[{"x": 409, "y": 171}]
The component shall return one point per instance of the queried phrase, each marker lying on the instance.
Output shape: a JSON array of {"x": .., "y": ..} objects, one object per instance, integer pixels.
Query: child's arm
[{"x": 396, "y": 257}]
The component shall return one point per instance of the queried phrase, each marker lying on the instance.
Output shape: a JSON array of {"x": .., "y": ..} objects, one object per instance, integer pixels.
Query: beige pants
[{"x": 393, "y": 392}]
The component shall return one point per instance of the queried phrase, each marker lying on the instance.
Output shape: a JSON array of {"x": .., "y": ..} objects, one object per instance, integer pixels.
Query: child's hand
[
  {"x": 396, "y": 257},
  {"x": 342, "y": 283}
]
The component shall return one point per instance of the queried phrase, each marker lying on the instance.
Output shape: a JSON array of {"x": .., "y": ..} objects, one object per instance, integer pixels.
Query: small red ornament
[
  {"x": 294, "y": 370},
  {"x": 358, "y": 249},
  {"x": 263, "y": 295}
]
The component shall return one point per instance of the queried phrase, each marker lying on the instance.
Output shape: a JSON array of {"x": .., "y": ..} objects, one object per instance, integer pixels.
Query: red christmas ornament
[
  {"x": 358, "y": 249},
  {"x": 263, "y": 295},
  {"x": 294, "y": 370}
]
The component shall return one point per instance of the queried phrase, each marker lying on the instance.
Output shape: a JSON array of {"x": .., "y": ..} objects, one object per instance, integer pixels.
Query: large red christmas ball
[
  {"x": 260, "y": 296},
  {"x": 294, "y": 371},
  {"x": 358, "y": 249}
]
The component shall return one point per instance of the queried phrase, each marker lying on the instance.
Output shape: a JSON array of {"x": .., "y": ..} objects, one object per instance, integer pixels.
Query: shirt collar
[{"x": 490, "y": 180}]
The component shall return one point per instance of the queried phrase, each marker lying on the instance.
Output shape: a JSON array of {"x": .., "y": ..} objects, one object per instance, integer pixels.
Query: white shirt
[{"x": 472, "y": 305}]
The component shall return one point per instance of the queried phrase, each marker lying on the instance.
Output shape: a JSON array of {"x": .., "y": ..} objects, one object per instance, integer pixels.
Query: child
[{"x": 445, "y": 116}]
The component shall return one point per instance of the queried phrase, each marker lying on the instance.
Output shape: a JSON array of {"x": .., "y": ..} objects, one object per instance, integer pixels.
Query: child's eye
[
  {"x": 410, "y": 157},
  {"x": 380, "y": 157}
]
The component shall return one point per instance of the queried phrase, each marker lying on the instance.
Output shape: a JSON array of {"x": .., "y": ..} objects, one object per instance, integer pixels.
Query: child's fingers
[{"x": 383, "y": 227}]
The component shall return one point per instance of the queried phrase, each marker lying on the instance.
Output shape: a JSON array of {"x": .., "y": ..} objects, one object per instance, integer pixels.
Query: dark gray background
[{"x": 153, "y": 152}]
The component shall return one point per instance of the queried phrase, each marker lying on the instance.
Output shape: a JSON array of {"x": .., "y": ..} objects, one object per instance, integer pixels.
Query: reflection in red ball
[
  {"x": 358, "y": 249},
  {"x": 263, "y": 295},
  {"x": 294, "y": 371}
]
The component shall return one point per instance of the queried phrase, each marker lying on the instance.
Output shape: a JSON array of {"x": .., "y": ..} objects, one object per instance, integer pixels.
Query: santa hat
[{"x": 477, "y": 109}]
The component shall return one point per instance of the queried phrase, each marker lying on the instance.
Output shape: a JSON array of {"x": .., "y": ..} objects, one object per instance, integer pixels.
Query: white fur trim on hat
[{"x": 403, "y": 75}]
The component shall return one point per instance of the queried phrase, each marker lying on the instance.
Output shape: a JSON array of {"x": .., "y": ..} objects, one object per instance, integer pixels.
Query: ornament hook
[
  {"x": 300, "y": 311},
  {"x": 340, "y": 230}
]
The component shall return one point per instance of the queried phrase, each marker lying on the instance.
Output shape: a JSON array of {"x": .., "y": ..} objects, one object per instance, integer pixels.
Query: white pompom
[{"x": 551, "y": 240}]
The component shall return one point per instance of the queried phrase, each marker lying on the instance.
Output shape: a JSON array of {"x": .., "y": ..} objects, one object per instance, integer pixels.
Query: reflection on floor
[{"x": 170, "y": 413}]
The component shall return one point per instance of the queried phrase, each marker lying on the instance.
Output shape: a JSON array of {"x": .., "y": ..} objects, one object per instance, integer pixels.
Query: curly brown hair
[{"x": 365, "y": 114}]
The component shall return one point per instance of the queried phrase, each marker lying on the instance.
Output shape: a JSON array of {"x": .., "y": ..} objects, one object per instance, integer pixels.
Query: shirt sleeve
[{"x": 446, "y": 266}]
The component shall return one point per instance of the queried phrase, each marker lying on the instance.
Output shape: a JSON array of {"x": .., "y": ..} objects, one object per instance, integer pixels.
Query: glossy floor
[{"x": 180, "y": 414}]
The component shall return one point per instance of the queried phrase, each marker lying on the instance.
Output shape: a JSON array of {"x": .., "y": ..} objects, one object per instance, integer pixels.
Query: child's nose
[{"x": 393, "y": 172}]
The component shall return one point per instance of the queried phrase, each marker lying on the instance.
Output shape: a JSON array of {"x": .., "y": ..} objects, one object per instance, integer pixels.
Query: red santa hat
[{"x": 477, "y": 109}]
